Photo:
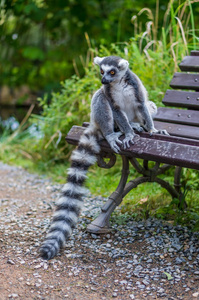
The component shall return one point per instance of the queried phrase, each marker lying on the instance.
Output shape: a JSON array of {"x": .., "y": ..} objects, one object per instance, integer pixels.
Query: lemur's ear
[
  {"x": 98, "y": 60},
  {"x": 123, "y": 64}
]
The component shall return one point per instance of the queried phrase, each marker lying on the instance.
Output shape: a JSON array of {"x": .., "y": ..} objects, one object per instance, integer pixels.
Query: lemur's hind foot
[{"x": 161, "y": 131}]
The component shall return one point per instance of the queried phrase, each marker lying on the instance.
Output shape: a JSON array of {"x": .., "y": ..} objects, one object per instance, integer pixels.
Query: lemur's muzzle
[{"x": 105, "y": 80}]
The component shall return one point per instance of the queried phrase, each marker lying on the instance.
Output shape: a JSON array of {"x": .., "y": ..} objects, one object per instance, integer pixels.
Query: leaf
[{"x": 169, "y": 277}]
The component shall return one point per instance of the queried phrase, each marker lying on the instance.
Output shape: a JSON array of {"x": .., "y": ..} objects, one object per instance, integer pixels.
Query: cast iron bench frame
[{"x": 180, "y": 149}]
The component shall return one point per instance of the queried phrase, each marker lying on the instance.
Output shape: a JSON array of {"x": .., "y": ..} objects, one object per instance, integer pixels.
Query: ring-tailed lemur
[{"x": 118, "y": 107}]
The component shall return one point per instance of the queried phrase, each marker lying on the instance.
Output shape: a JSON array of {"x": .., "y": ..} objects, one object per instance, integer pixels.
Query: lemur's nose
[{"x": 105, "y": 81}]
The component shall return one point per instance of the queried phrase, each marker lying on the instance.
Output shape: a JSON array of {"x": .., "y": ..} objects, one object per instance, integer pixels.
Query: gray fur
[{"x": 121, "y": 103}]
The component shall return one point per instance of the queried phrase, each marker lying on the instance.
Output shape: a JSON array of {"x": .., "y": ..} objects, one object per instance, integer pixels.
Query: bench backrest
[{"x": 183, "y": 121}]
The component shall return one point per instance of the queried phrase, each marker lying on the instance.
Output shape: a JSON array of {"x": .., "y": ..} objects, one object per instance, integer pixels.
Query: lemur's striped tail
[{"x": 69, "y": 204}]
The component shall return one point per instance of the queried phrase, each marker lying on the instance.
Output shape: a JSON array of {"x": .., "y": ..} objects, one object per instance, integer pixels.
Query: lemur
[{"x": 118, "y": 107}]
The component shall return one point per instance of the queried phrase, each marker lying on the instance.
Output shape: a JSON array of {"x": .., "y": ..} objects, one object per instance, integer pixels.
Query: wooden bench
[{"x": 180, "y": 149}]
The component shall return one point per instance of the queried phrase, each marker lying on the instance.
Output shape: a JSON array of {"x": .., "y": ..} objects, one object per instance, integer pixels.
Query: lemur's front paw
[
  {"x": 129, "y": 140},
  {"x": 114, "y": 142}
]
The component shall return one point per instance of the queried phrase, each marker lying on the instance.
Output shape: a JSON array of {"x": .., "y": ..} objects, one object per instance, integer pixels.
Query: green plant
[{"x": 39, "y": 39}]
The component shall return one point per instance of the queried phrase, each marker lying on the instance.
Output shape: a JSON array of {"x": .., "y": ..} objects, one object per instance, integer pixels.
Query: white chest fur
[{"x": 124, "y": 97}]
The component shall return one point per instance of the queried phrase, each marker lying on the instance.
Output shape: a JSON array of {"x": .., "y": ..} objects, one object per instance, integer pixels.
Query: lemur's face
[
  {"x": 112, "y": 68},
  {"x": 109, "y": 73}
]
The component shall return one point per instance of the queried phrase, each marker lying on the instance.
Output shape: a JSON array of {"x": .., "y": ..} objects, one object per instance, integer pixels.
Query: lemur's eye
[
  {"x": 102, "y": 72},
  {"x": 112, "y": 72}
]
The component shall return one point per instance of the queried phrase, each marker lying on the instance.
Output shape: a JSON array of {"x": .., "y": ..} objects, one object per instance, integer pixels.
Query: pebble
[
  {"x": 10, "y": 261},
  {"x": 13, "y": 296},
  {"x": 195, "y": 294}
]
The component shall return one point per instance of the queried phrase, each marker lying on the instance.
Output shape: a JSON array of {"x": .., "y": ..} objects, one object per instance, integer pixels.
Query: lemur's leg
[
  {"x": 146, "y": 111},
  {"x": 147, "y": 121},
  {"x": 103, "y": 117}
]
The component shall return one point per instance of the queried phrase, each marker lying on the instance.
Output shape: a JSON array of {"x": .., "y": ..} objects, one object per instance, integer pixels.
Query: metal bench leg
[
  {"x": 101, "y": 223},
  {"x": 178, "y": 185}
]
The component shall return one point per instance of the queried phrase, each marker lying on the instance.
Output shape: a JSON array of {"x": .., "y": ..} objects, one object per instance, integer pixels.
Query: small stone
[
  {"x": 141, "y": 286},
  {"x": 38, "y": 266},
  {"x": 21, "y": 279},
  {"x": 94, "y": 236},
  {"x": 11, "y": 262},
  {"x": 160, "y": 290},
  {"x": 114, "y": 295},
  {"x": 123, "y": 282},
  {"x": 22, "y": 262},
  {"x": 171, "y": 250},
  {"x": 145, "y": 282},
  {"x": 178, "y": 261},
  {"x": 195, "y": 294},
  {"x": 132, "y": 296},
  {"x": 13, "y": 296}
]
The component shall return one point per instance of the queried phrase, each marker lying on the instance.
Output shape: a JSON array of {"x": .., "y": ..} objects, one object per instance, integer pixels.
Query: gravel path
[{"x": 142, "y": 260}]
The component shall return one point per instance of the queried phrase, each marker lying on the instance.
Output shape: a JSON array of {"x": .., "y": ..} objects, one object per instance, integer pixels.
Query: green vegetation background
[
  {"x": 41, "y": 40},
  {"x": 50, "y": 45}
]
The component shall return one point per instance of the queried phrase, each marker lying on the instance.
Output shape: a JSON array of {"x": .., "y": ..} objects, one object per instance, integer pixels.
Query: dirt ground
[{"x": 24, "y": 209}]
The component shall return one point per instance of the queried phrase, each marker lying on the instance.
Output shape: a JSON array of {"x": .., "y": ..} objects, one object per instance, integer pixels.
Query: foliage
[{"x": 40, "y": 39}]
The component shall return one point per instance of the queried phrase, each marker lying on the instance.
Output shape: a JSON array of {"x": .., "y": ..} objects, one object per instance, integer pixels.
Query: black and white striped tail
[{"x": 69, "y": 204}]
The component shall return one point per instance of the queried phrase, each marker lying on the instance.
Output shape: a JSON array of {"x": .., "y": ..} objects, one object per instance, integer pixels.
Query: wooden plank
[
  {"x": 190, "y": 63},
  {"x": 194, "y": 53},
  {"x": 153, "y": 149},
  {"x": 178, "y": 116},
  {"x": 181, "y": 99},
  {"x": 185, "y": 81},
  {"x": 179, "y": 130}
]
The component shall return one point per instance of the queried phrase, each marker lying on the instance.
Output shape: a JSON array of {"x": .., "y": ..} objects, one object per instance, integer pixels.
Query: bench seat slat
[
  {"x": 154, "y": 149},
  {"x": 186, "y": 131},
  {"x": 178, "y": 116},
  {"x": 185, "y": 81},
  {"x": 190, "y": 63},
  {"x": 194, "y": 53},
  {"x": 181, "y": 99}
]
